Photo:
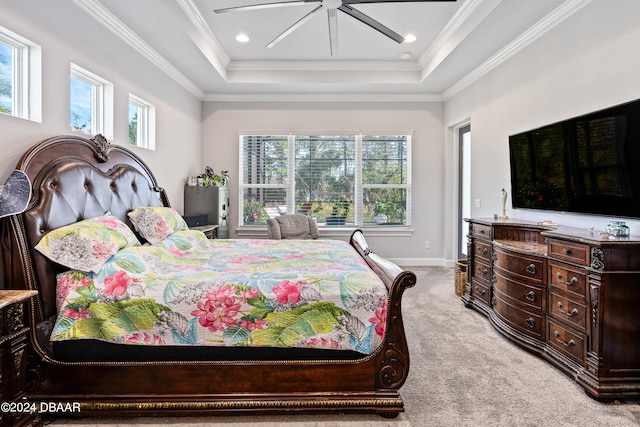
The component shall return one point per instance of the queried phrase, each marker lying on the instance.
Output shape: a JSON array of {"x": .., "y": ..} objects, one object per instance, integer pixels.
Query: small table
[
  {"x": 210, "y": 230},
  {"x": 13, "y": 353}
]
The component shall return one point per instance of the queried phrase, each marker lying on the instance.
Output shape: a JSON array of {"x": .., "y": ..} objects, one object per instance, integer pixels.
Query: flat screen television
[{"x": 588, "y": 164}]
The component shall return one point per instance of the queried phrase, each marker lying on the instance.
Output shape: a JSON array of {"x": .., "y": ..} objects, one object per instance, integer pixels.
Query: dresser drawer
[
  {"x": 568, "y": 251},
  {"x": 567, "y": 278},
  {"x": 528, "y": 267},
  {"x": 567, "y": 310},
  {"x": 481, "y": 270},
  {"x": 528, "y": 322},
  {"x": 481, "y": 231},
  {"x": 481, "y": 291},
  {"x": 530, "y": 296},
  {"x": 568, "y": 342},
  {"x": 482, "y": 250}
]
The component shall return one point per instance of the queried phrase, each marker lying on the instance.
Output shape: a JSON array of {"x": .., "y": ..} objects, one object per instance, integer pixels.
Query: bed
[{"x": 225, "y": 326}]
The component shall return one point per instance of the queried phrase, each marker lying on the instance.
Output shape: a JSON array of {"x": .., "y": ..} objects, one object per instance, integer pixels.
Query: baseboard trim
[{"x": 422, "y": 262}]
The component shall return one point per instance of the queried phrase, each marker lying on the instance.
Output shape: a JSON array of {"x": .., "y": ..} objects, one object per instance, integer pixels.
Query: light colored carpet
[{"x": 463, "y": 373}]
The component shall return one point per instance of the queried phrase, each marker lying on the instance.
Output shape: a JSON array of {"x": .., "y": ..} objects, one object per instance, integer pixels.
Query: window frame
[
  {"x": 101, "y": 101},
  {"x": 359, "y": 186},
  {"x": 146, "y": 122},
  {"x": 26, "y": 72}
]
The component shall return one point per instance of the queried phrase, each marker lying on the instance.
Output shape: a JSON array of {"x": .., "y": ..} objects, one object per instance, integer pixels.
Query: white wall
[
  {"x": 75, "y": 37},
  {"x": 588, "y": 63},
  {"x": 222, "y": 121}
]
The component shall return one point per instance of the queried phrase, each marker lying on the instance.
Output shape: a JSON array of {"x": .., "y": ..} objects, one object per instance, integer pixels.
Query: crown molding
[
  {"x": 218, "y": 58},
  {"x": 98, "y": 12},
  {"x": 562, "y": 12},
  {"x": 324, "y": 66},
  {"x": 460, "y": 22},
  {"x": 322, "y": 97}
]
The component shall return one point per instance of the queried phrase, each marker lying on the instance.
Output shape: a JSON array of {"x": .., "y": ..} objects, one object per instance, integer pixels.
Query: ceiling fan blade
[
  {"x": 366, "y": 19},
  {"x": 266, "y": 6},
  {"x": 332, "y": 14},
  {"x": 390, "y": 1},
  {"x": 295, "y": 26}
]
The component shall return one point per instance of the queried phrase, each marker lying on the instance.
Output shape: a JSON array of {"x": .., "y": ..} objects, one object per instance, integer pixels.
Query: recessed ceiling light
[
  {"x": 242, "y": 38},
  {"x": 405, "y": 55},
  {"x": 410, "y": 38}
]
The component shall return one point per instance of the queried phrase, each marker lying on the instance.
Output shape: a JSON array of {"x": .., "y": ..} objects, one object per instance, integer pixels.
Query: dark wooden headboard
[{"x": 73, "y": 178}]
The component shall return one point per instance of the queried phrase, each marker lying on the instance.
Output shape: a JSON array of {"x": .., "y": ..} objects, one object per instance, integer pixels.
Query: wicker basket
[{"x": 461, "y": 276}]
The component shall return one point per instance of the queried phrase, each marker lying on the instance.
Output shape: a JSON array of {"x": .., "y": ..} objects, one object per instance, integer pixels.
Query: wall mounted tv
[{"x": 588, "y": 164}]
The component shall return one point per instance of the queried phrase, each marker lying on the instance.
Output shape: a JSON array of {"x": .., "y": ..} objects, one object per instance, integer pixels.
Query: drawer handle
[
  {"x": 480, "y": 291},
  {"x": 483, "y": 251},
  {"x": 531, "y": 269},
  {"x": 482, "y": 271},
  {"x": 571, "y": 342},
  {"x": 571, "y": 282},
  {"x": 572, "y": 313},
  {"x": 530, "y": 323},
  {"x": 530, "y": 296},
  {"x": 566, "y": 251}
]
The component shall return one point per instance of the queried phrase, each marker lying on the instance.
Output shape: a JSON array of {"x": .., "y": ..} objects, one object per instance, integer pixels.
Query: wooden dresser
[{"x": 570, "y": 295}]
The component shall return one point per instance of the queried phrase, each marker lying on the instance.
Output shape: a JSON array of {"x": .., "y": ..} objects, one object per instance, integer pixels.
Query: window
[
  {"x": 8, "y": 86},
  {"x": 353, "y": 180},
  {"x": 20, "y": 82},
  {"x": 142, "y": 123},
  {"x": 91, "y": 103}
]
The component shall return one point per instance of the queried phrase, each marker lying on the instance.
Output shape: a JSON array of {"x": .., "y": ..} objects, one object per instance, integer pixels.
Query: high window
[
  {"x": 20, "y": 82},
  {"x": 91, "y": 99},
  {"x": 142, "y": 123},
  {"x": 339, "y": 180}
]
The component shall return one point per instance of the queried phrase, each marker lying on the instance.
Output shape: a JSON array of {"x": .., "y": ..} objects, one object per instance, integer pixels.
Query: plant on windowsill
[
  {"x": 253, "y": 213},
  {"x": 339, "y": 212},
  {"x": 387, "y": 213}
]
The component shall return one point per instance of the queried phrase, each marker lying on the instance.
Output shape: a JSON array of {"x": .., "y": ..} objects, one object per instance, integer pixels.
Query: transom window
[
  {"x": 91, "y": 99},
  {"x": 20, "y": 81},
  {"x": 142, "y": 123},
  {"x": 339, "y": 180}
]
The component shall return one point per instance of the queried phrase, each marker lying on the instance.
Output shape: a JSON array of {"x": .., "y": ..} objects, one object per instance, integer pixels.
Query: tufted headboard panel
[{"x": 75, "y": 178}]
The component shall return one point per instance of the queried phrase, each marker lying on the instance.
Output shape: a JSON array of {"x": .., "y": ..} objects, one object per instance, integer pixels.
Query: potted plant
[
  {"x": 211, "y": 179},
  {"x": 339, "y": 212},
  {"x": 253, "y": 212},
  {"x": 387, "y": 212}
]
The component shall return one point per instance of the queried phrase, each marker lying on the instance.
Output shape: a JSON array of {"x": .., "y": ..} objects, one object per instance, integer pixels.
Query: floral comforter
[{"x": 188, "y": 290}]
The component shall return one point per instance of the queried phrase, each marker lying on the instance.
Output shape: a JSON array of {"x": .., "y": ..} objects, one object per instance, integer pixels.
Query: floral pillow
[
  {"x": 157, "y": 223},
  {"x": 86, "y": 245}
]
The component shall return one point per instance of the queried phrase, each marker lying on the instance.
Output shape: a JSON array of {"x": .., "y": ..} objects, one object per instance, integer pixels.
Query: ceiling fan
[{"x": 332, "y": 7}]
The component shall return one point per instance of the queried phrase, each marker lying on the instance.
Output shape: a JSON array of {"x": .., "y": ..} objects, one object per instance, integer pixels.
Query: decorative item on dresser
[
  {"x": 567, "y": 294},
  {"x": 13, "y": 357}
]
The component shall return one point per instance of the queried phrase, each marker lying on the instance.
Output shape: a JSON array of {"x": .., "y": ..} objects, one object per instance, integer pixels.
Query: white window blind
[{"x": 339, "y": 180}]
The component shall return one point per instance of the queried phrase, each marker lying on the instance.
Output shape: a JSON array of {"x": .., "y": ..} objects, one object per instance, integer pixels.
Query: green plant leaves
[
  {"x": 291, "y": 327},
  {"x": 115, "y": 319}
]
